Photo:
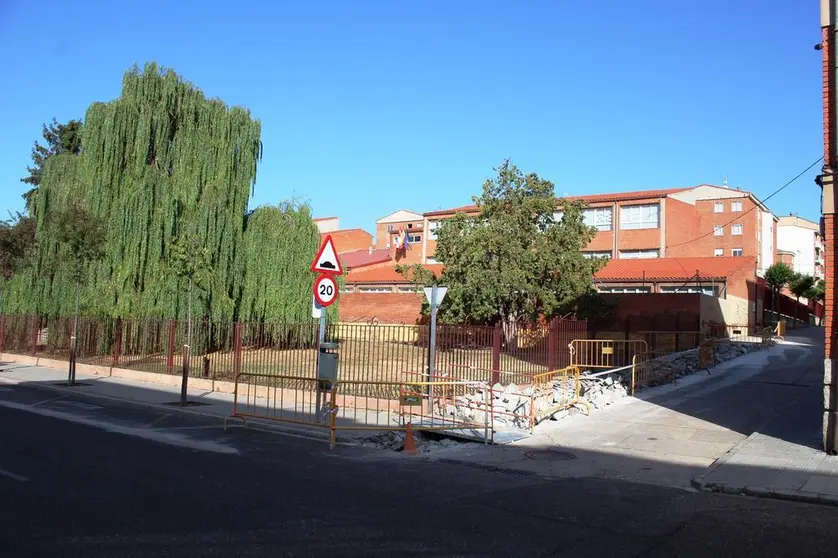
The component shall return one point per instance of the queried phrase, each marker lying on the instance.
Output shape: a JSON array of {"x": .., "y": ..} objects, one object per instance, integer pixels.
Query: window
[
  {"x": 432, "y": 226},
  {"x": 640, "y": 217},
  {"x": 599, "y": 217},
  {"x": 557, "y": 216},
  {"x": 718, "y": 230},
  {"x": 395, "y": 240},
  {"x": 736, "y": 252},
  {"x": 711, "y": 290},
  {"x": 719, "y": 207},
  {"x": 624, "y": 289},
  {"x": 409, "y": 289},
  {"x": 638, "y": 254},
  {"x": 375, "y": 290},
  {"x": 736, "y": 230},
  {"x": 597, "y": 254},
  {"x": 736, "y": 206},
  {"x": 719, "y": 252},
  {"x": 414, "y": 238}
]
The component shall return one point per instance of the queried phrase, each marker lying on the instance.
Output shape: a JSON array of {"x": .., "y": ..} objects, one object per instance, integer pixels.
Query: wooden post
[{"x": 497, "y": 343}]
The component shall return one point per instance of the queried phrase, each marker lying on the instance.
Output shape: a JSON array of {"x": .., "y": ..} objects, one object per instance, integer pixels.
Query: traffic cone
[{"x": 409, "y": 442}]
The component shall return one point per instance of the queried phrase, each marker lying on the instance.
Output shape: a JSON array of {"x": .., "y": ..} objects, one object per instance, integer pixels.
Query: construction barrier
[
  {"x": 604, "y": 353},
  {"x": 554, "y": 391}
]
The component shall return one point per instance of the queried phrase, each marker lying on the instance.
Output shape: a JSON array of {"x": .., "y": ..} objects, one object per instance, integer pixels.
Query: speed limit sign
[{"x": 325, "y": 290}]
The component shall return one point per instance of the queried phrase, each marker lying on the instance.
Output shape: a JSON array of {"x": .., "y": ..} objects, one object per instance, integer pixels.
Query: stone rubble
[{"x": 394, "y": 441}]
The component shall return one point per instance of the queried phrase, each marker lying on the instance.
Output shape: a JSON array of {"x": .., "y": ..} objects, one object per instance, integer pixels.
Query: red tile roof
[
  {"x": 387, "y": 275},
  {"x": 674, "y": 269},
  {"x": 361, "y": 258},
  {"x": 590, "y": 198}
]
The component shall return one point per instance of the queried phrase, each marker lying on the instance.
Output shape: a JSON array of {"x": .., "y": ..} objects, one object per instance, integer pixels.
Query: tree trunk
[
  {"x": 187, "y": 355},
  {"x": 510, "y": 333}
]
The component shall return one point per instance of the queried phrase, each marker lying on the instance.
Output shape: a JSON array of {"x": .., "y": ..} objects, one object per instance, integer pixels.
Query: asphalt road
[{"x": 87, "y": 477}]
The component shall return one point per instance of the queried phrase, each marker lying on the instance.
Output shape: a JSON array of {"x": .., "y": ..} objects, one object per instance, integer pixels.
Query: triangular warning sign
[{"x": 327, "y": 260}]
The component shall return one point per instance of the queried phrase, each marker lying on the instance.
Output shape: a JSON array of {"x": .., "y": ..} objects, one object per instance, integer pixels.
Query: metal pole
[
  {"x": 187, "y": 347},
  {"x": 432, "y": 352},
  {"x": 72, "y": 379},
  {"x": 321, "y": 338}
]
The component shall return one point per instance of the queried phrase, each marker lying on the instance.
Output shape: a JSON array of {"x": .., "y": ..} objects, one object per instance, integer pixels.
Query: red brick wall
[
  {"x": 639, "y": 304},
  {"x": 681, "y": 222},
  {"x": 351, "y": 239},
  {"x": 828, "y": 131},
  {"x": 389, "y": 308},
  {"x": 706, "y": 219},
  {"x": 829, "y": 272}
]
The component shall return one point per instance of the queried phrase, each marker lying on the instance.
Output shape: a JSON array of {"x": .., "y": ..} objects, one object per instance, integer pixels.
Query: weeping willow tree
[
  {"x": 279, "y": 245},
  {"x": 163, "y": 162}
]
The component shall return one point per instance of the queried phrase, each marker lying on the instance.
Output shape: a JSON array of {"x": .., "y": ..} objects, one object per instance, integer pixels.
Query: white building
[{"x": 802, "y": 238}]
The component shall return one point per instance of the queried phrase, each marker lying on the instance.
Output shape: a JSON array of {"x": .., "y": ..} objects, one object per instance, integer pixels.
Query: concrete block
[{"x": 828, "y": 374}]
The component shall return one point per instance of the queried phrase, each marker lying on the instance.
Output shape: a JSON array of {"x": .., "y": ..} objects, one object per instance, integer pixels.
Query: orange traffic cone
[{"x": 409, "y": 442}]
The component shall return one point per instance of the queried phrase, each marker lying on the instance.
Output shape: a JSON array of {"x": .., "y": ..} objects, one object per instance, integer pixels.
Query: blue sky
[{"x": 372, "y": 106}]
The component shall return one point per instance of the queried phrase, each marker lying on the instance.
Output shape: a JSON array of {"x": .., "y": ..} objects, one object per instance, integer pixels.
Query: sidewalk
[{"x": 164, "y": 397}]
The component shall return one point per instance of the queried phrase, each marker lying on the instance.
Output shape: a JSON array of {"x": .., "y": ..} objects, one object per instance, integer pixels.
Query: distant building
[
  {"x": 801, "y": 239},
  {"x": 388, "y": 231},
  {"x": 327, "y": 224}
]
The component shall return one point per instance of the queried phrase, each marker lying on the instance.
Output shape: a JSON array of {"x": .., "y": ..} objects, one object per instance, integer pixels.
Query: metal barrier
[
  {"x": 430, "y": 406},
  {"x": 554, "y": 391},
  {"x": 604, "y": 353}
]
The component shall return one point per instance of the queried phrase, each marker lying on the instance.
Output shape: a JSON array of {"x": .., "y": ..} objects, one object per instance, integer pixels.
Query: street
[{"x": 83, "y": 476}]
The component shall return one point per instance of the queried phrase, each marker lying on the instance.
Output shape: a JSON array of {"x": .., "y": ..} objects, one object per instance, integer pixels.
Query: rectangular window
[
  {"x": 718, "y": 230},
  {"x": 599, "y": 217},
  {"x": 719, "y": 252},
  {"x": 375, "y": 290},
  {"x": 638, "y": 254},
  {"x": 710, "y": 290},
  {"x": 624, "y": 289},
  {"x": 719, "y": 207},
  {"x": 409, "y": 289},
  {"x": 640, "y": 217},
  {"x": 432, "y": 226},
  {"x": 736, "y": 252},
  {"x": 597, "y": 254},
  {"x": 736, "y": 230},
  {"x": 736, "y": 206},
  {"x": 414, "y": 238}
]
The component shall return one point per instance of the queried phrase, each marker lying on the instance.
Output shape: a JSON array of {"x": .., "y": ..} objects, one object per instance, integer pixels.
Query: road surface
[{"x": 83, "y": 476}]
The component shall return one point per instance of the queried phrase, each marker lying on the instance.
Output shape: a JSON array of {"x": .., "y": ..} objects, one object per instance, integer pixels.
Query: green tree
[
  {"x": 516, "y": 258},
  {"x": 800, "y": 285},
  {"x": 81, "y": 238},
  {"x": 17, "y": 243},
  {"x": 189, "y": 261},
  {"x": 777, "y": 276},
  {"x": 58, "y": 138},
  {"x": 817, "y": 294}
]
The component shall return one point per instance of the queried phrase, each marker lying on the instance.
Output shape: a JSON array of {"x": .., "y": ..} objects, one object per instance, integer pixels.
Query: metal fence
[{"x": 368, "y": 353}]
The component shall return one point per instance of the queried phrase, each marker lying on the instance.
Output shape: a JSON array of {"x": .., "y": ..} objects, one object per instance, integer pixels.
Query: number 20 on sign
[{"x": 325, "y": 290}]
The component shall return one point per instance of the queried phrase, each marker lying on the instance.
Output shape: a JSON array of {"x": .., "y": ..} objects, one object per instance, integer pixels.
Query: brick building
[
  {"x": 827, "y": 183},
  {"x": 702, "y": 221},
  {"x": 388, "y": 230}
]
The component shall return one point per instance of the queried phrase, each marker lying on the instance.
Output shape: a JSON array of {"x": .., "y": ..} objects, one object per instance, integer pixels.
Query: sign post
[
  {"x": 325, "y": 292},
  {"x": 435, "y": 296}
]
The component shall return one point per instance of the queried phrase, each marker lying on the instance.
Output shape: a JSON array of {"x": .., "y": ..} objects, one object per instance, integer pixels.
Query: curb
[
  {"x": 764, "y": 492},
  {"x": 252, "y": 424}
]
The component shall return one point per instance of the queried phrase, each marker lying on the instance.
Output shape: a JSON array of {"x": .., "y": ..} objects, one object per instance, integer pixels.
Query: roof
[
  {"x": 362, "y": 258},
  {"x": 387, "y": 275},
  {"x": 674, "y": 269},
  {"x": 795, "y": 221},
  {"x": 400, "y": 216},
  {"x": 589, "y": 198},
  {"x": 316, "y": 219}
]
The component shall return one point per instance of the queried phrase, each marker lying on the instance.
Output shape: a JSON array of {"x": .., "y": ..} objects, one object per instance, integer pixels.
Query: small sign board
[
  {"x": 440, "y": 294},
  {"x": 327, "y": 261},
  {"x": 608, "y": 350},
  {"x": 408, "y": 399},
  {"x": 325, "y": 290}
]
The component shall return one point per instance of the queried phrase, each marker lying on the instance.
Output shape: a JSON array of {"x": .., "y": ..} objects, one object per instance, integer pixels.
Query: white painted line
[
  {"x": 13, "y": 476},
  {"x": 170, "y": 438},
  {"x": 79, "y": 405}
]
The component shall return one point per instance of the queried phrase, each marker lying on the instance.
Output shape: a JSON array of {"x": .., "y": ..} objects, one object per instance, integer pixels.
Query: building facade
[
  {"x": 703, "y": 221},
  {"x": 802, "y": 238},
  {"x": 389, "y": 231}
]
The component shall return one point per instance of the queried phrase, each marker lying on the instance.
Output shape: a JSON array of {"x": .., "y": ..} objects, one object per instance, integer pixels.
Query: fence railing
[
  {"x": 221, "y": 350},
  {"x": 604, "y": 353}
]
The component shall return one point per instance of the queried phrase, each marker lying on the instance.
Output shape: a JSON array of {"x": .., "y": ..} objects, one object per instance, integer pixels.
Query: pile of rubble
[{"x": 394, "y": 441}]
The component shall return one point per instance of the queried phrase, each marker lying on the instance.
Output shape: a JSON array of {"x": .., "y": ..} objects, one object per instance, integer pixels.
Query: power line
[{"x": 740, "y": 215}]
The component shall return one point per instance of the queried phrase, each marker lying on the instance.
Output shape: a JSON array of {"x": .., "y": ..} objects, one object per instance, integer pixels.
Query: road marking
[
  {"x": 52, "y": 400},
  {"x": 161, "y": 436},
  {"x": 158, "y": 420},
  {"x": 13, "y": 476},
  {"x": 2, "y": 389},
  {"x": 79, "y": 405}
]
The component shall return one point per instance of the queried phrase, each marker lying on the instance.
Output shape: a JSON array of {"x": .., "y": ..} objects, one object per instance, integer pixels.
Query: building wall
[
  {"x": 388, "y": 308},
  {"x": 801, "y": 241},
  {"x": 768, "y": 242},
  {"x": 350, "y": 240},
  {"x": 384, "y": 232},
  {"x": 327, "y": 224},
  {"x": 680, "y": 228}
]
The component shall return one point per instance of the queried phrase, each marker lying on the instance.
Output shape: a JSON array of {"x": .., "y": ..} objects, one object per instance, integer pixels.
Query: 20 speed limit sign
[{"x": 325, "y": 290}]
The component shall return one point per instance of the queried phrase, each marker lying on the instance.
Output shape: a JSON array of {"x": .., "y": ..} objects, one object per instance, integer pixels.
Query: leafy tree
[
  {"x": 81, "y": 238},
  {"x": 777, "y": 276},
  {"x": 189, "y": 260},
  {"x": 513, "y": 260},
  {"x": 58, "y": 138},
  {"x": 17, "y": 242},
  {"x": 817, "y": 294},
  {"x": 800, "y": 285}
]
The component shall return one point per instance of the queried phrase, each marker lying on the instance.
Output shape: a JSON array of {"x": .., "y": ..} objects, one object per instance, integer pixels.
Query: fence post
[
  {"x": 35, "y": 326},
  {"x": 170, "y": 350},
  {"x": 497, "y": 340},
  {"x": 117, "y": 344},
  {"x": 237, "y": 349},
  {"x": 552, "y": 344}
]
